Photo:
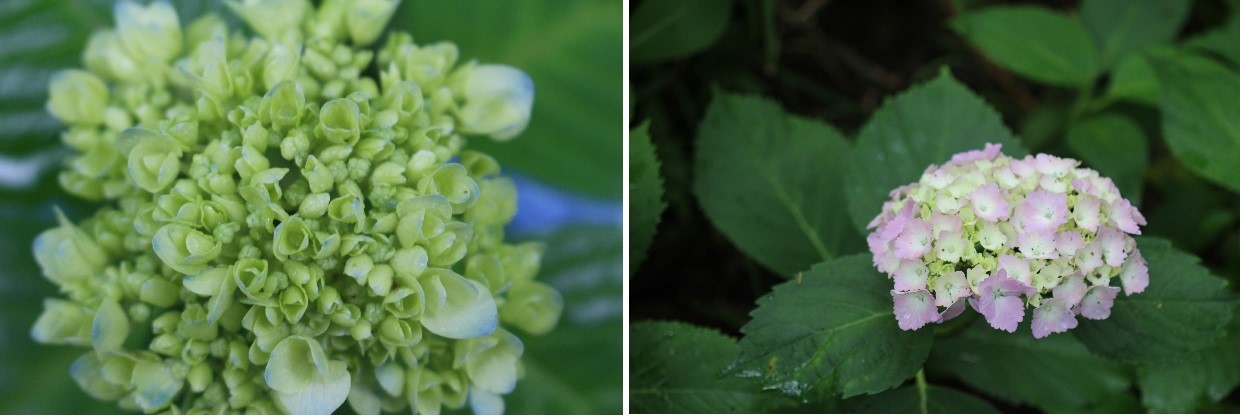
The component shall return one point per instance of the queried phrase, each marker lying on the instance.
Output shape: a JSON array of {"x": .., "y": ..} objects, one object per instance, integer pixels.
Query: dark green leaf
[
  {"x": 773, "y": 183},
  {"x": 830, "y": 332},
  {"x": 925, "y": 125},
  {"x": 1181, "y": 387},
  {"x": 573, "y": 51},
  {"x": 645, "y": 194},
  {"x": 1134, "y": 80},
  {"x": 1114, "y": 145},
  {"x": 1034, "y": 42},
  {"x": 675, "y": 369},
  {"x": 1200, "y": 118},
  {"x": 669, "y": 29},
  {"x": 1223, "y": 41},
  {"x": 1053, "y": 372},
  {"x": 939, "y": 400},
  {"x": 577, "y": 368},
  {"x": 1121, "y": 27},
  {"x": 1184, "y": 309}
]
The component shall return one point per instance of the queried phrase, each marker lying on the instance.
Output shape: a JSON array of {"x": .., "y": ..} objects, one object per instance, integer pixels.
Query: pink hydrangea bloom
[{"x": 1004, "y": 235}]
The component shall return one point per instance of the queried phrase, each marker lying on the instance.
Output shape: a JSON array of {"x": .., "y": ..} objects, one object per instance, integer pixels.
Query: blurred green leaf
[
  {"x": 675, "y": 368},
  {"x": 1121, "y": 27},
  {"x": 1201, "y": 120},
  {"x": 669, "y": 29},
  {"x": 773, "y": 183},
  {"x": 1223, "y": 41},
  {"x": 1181, "y": 387},
  {"x": 1054, "y": 372},
  {"x": 1119, "y": 403},
  {"x": 578, "y": 367},
  {"x": 939, "y": 400},
  {"x": 1114, "y": 145},
  {"x": 1134, "y": 80},
  {"x": 573, "y": 52},
  {"x": 830, "y": 332},
  {"x": 645, "y": 194},
  {"x": 1034, "y": 42},
  {"x": 1184, "y": 309},
  {"x": 925, "y": 125},
  {"x": 1191, "y": 213}
]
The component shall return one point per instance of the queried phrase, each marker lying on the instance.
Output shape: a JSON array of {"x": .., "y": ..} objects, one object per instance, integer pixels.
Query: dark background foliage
[
  {"x": 566, "y": 164},
  {"x": 836, "y": 61}
]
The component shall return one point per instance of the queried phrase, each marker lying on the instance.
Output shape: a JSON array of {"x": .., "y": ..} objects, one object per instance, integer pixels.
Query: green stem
[{"x": 921, "y": 390}]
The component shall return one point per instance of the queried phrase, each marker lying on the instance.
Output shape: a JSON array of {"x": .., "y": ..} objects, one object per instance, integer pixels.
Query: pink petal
[
  {"x": 1015, "y": 267},
  {"x": 1007, "y": 313},
  {"x": 1086, "y": 213},
  {"x": 941, "y": 223},
  {"x": 989, "y": 204},
  {"x": 1068, "y": 243},
  {"x": 886, "y": 263},
  {"x": 1089, "y": 258},
  {"x": 914, "y": 241},
  {"x": 1053, "y": 166},
  {"x": 1052, "y": 317},
  {"x": 1023, "y": 168},
  {"x": 1070, "y": 290},
  {"x": 910, "y": 275},
  {"x": 1038, "y": 245},
  {"x": 952, "y": 311},
  {"x": 1112, "y": 243},
  {"x": 1136, "y": 274},
  {"x": 914, "y": 309},
  {"x": 1097, "y": 302},
  {"x": 950, "y": 287},
  {"x": 990, "y": 152},
  {"x": 1043, "y": 211},
  {"x": 1126, "y": 216}
]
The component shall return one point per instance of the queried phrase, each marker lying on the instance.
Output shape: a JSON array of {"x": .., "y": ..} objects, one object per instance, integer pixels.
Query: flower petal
[
  {"x": 914, "y": 309},
  {"x": 1098, "y": 301},
  {"x": 1053, "y": 316}
]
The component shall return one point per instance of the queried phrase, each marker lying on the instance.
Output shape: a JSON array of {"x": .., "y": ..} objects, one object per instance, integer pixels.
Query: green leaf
[
  {"x": 1034, "y": 42},
  {"x": 675, "y": 368},
  {"x": 1181, "y": 387},
  {"x": 939, "y": 400},
  {"x": 1134, "y": 80},
  {"x": 645, "y": 194},
  {"x": 925, "y": 125},
  {"x": 1054, "y": 372},
  {"x": 1120, "y": 27},
  {"x": 1200, "y": 118},
  {"x": 1223, "y": 41},
  {"x": 578, "y": 367},
  {"x": 574, "y": 53},
  {"x": 830, "y": 332},
  {"x": 1114, "y": 145},
  {"x": 1184, "y": 309},
  {"x": 669, "y": 29},
  {"x": 773, "y": 183}
]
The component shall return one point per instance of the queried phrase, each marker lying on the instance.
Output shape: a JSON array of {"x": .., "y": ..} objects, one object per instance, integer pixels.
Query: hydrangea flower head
[
  {"x": 1008, "y": 235},
  {"x": 290, "y": 221}
]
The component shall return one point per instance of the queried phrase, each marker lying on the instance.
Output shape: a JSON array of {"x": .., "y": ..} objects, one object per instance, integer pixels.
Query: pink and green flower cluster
[{"x": 1006, "y": 234}]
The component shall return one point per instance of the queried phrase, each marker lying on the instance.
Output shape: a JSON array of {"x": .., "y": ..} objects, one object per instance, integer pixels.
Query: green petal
[
  {"x": 534, "y": 307},
  {"x": 326, "y": 391},
  {"x": 154, "y": 385},
  {"x": 291, "y": 367},
  {"x": 492, "y": 365},
  {"x": 110, "y": 326},
  {"x": 457, "y": 307}
]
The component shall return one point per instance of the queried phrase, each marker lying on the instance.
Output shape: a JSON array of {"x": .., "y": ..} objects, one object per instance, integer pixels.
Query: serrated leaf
[
  {"x": 922, "y": 126},
  {"x": 1114, "y": 145},
  {"x": 645, "y": 194},
  {"x": 578, "y": 367},
  {"x": 1134, "y": 80},
  {"x": 1184, "y": 309},
  {"x": 939, "y": 400},
  {"x": 773, "y": 183},
  {"x": 669, "y": 29},
  {"x": 1053, "y": 372},
  {"x": 1181, "y": 387},
  {"x": 1200, "y": 118},
  {"x": 1034, "y": 42},
  {"x": 830, "y": 331},
  {"x": 674, "y": 368},
  {"x": 574, "y": 53},
  {"x": 1120, "y": 27}
]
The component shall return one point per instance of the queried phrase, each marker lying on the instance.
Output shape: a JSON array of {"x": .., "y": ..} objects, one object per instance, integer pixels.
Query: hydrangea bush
[
  {"x": 289, "y": 220},
  {"x": 1006, "y": 233}
]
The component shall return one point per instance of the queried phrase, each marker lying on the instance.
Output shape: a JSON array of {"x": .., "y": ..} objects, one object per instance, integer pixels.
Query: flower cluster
[
  {"x": 1004, "y": 234},
  {"x": 280, "y": 231}
]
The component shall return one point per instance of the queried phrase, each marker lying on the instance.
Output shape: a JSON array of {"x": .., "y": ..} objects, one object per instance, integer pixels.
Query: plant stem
[{"x": 921, "y": 390}]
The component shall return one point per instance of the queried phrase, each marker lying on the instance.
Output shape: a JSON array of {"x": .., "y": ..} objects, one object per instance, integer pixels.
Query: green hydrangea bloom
[{"x": 282, "y": 230}]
